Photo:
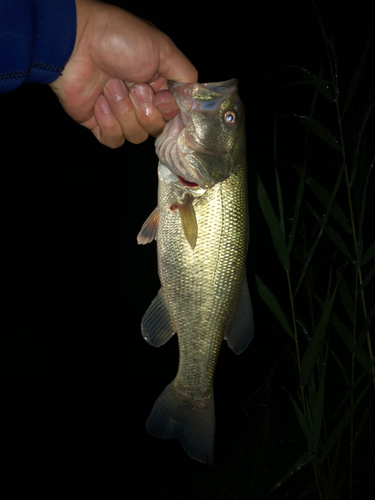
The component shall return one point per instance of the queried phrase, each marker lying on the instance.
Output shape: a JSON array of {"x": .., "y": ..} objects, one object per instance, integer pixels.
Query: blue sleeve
[{"x": 36, "y": 40}]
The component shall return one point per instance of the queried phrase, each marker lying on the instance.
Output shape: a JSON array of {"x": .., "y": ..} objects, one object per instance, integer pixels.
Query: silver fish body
[{"x": 201, "y": 228}]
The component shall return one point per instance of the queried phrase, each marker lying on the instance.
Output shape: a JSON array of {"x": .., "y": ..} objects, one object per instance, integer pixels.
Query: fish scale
[{"x": 207, "y": 279}]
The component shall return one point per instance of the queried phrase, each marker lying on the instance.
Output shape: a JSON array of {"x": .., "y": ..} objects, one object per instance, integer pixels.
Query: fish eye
[{"x": 230, "y": 118}]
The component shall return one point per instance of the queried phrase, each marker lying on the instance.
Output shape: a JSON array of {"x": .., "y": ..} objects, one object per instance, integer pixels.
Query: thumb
[{"x": 174, "y": 65}]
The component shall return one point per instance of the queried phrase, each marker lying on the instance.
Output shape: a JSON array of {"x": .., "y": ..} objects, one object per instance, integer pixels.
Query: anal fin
[{"x": 241, "y": 330}]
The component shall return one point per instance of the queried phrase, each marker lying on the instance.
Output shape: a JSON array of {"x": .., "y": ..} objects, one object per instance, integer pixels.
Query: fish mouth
[
  {"x": 176, "y": 149},
  {"x": 179, "y": 147}
]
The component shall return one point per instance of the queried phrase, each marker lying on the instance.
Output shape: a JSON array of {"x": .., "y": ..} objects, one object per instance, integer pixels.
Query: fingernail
[
  {"x": 142, "y": 95},
  {"x": 103, "y": 105},
  {"x": 115, "y": 89}
]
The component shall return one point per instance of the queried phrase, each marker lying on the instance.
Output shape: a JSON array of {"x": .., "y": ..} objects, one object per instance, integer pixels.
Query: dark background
[{"x": 72, "y": 357}]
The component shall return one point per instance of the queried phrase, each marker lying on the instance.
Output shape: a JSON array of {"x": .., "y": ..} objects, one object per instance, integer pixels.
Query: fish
[{"x": 201, "y": 227}]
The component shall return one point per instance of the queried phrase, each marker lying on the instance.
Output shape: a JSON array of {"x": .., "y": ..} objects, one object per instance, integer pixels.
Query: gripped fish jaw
[{"x": 187, "y": 146}]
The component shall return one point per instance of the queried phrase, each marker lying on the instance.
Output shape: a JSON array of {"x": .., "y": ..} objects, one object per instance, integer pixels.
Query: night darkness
[{"x": 65, "y": 199}]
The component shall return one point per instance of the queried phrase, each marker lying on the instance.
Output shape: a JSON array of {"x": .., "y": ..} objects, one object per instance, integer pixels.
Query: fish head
[{"x": 199, "y": 145}]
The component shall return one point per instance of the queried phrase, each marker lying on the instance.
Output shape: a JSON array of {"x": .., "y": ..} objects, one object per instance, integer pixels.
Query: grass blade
[
  {"x": 362, "y": 423},
  {"x": 320, "y": 130},
  {"x": 356, "y": 78},
  {"x": 346, "y": 299},
  {"x": 320, "y": 85},
  {"x": 273, "y": 305},
  {"x": 317, "y": 239},
  {"x": 317, "y": 82},
  {"x": 358, "y": 146},
  {"x": 297, "y": 207},
  {"x": 332, "y": 234},
  {"x": 362, "y": 215},
  {"x": 280, "y": 203},
  {"x": 314, "y": 348},
  {"x": 365, "y": 373},
  {"x": 341, "y": 367},
  {"x": 303, "y": 460},
  {"x": 366, "y": 327},
  {"x": 324, "y": 197},
  {"x": 274, "y": 226},
  {"x": 347, "y": 337},
  {"x": 368, "y": 277},
  {"x": 311, "y": 400},
  {"x": 369, "y": 254},
  {"x": 318, "y": 409},
  {"x": 310, "y": 438},
  {"x": 340, "y": 427}
]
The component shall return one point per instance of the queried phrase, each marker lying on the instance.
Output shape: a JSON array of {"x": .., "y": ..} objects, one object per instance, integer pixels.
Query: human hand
[{"x": 112, "y": 47}]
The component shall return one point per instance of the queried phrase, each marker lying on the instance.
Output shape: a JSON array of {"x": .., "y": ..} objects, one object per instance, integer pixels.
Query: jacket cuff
[
  {"x": 36, "y": 40},
  {"x": 54, "y": 37}
]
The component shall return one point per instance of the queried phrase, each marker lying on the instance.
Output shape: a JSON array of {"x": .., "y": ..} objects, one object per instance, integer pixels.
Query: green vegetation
[{"x": 325, "y": 241}]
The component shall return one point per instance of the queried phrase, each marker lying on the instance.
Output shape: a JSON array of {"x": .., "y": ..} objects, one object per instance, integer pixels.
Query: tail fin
[{"x": 191, "y": 420}]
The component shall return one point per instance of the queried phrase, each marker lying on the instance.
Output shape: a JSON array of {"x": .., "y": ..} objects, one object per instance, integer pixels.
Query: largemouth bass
[{"x": 201, "y": 227}]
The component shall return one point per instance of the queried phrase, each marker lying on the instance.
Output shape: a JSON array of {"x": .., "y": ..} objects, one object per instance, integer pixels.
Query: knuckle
[
  {"x": 138, "y": 138},
  {"x": 113, "y": 142}
]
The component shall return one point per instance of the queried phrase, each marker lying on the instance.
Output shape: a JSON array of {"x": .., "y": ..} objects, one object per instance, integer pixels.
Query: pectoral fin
[
  {"x": 241, "y": 330},
  {"x": 157, "y": 326},
  {"x": 188, "y": 219},
  {"x": 149, "y": 229}
]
